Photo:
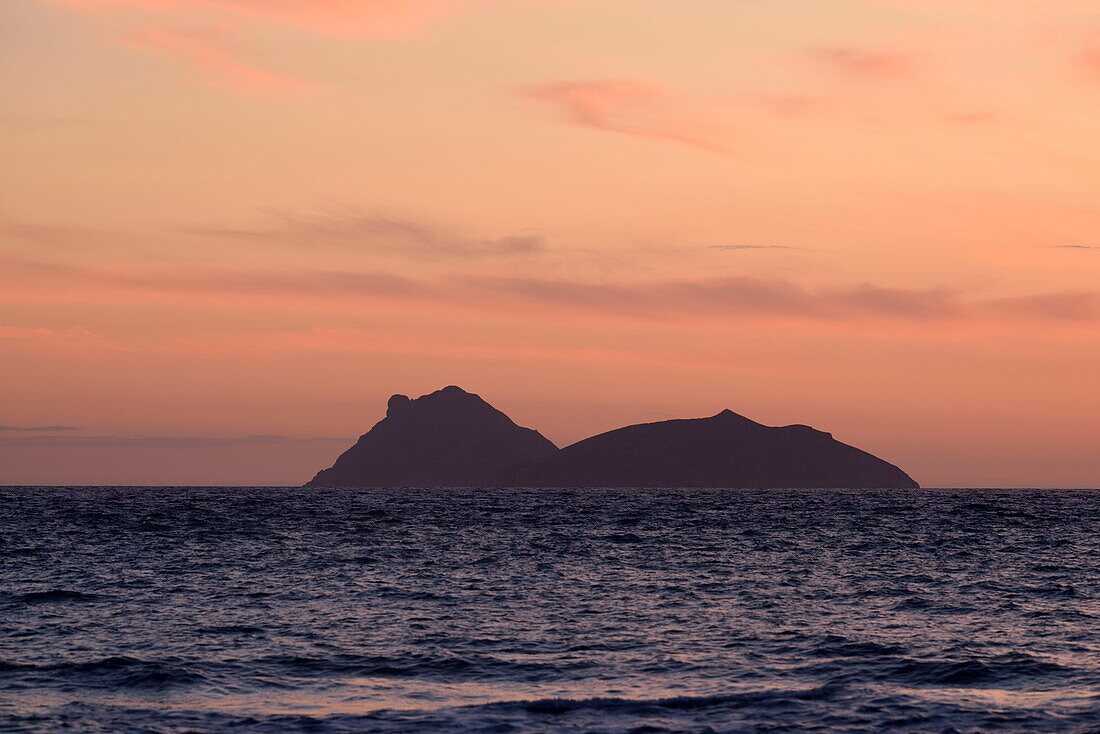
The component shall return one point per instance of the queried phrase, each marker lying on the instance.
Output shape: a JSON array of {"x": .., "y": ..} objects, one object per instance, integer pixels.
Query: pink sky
[{"x": 230, "y": 229}]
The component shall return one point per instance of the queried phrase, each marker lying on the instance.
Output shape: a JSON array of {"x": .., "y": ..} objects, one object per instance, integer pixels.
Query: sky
[{"x": 230, "y": 229}]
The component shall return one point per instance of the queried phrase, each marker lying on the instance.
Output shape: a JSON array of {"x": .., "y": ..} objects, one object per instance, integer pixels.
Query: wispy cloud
[
  {"x": 332, "y": 18},
  {"x": 73, "y": 338},
  {"x": 37, "y": 429},
  {"x": 631, "y": 107},
  {"x": 716, "y": 123},
  {"x": 184, "y": 280},
  {"x": 380, "y": 233},
  {"x": 1090, "y": 59},
  {"x": 216, "y": 57},
  {"x": 738, "y": 296},
  {"x": 164, "y": 27},
  {"x": 794, "y": 105},
  {"x": 45, "y": 234},
  {"x": 1083, "y": 306},
  {"x": 156, "y": 442},
  {"x": 773, "y": 298},
  {"x": 1074, "y": 247},
  {"x": 862, "y": 62},
  {"x": 737, "y": 248},
  {"x": 718, "y": 298}
]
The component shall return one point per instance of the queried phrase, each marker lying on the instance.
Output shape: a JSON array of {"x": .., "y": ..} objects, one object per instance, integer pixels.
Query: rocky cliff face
[{"x": 450, "y": 438}]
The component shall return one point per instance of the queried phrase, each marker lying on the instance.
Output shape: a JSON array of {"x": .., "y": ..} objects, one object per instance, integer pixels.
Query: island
[
  {"x": 452, "y": 438},
  {"x": 449, "y": 438}
]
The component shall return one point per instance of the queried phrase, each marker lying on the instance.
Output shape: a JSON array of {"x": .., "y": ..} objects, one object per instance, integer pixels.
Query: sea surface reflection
[{"x": 183, "y": 609}]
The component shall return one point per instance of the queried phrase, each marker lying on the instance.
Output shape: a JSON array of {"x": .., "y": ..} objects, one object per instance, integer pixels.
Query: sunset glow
[{"x": 230, "y": 229}]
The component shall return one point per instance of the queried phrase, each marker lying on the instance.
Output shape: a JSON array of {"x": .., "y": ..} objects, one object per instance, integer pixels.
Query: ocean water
[{"x": 205, "y": 609}]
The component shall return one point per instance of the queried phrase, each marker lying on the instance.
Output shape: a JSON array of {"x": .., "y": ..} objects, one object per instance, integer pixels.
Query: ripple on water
[{"x": 195, "y": 609}]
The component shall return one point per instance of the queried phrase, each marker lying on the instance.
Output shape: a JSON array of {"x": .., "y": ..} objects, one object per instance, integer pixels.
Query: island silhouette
[
  {"x": 453, "y": 438},
  {"x": 448, "y": 438}
]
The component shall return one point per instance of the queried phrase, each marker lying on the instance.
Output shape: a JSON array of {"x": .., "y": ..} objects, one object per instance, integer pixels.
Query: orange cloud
[
  {"x": 1000, "y": 10},
  {"x": 338, "y": 18},
  {"x": 643, "y": 109},
  {"x": 1091, "y": 59},
  {"x": 862, "y": 62},
  {"x": 630, "y": 107},
  {"x": 345, "y": 18},
  {"x": 215, "y": 56}
]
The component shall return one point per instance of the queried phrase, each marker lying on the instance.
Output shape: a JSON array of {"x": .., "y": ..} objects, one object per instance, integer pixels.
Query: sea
[{"x": 193, "y": 609}]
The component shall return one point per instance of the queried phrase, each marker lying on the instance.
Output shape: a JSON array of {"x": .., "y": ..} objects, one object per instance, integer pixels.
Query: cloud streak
[
  {"x": 165, "y": 28},
  {"x": 631, "y": 107},
  {"x": 377, "y": 233},
  {"x": 737, "y": 296},
  {"x": 74, "y": 338},
  {"x": 332, "y": 18},
  {"x": 1090, "y": 59},
  {"x": 861, "y": 62},
  {"x": 703, "y": 298},
  {"x": 716, "y": 123},
  {"x": 215, "y": 56},
  {"x": 37, "y": 429},
  {"x": 739, "y": 248},
  {"x": 154, "y": 442}
]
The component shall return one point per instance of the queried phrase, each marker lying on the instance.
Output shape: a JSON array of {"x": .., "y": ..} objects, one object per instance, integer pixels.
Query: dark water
[{"x": 514, "y": 611}]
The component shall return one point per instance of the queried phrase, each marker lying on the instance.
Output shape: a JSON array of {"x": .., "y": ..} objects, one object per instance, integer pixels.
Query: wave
[
  {"x": 19, "y": 552},
  {"x": 232, "y": 629},
  {"x": 117, "y": 671},
  {"x": 557, "y": 706},
  {"x": 920, "y": 604},
  {"x": 420, "y": 665},
  {"x": 841, "y": 647},
  {"x": 54, "y": 596},
  {"x": 621, "y": 538},
  {"x": 974, "y": 672}
]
